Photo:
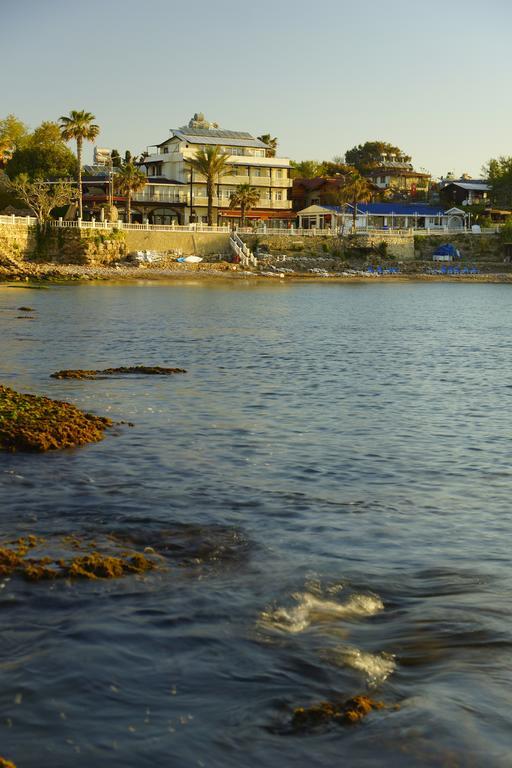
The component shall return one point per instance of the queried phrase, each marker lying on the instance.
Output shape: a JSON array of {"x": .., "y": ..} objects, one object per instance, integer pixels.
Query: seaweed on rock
[
  {"x": 147, "y": 370},
  {"x": 345, "y": 712},
  {"x": 35, "y": 423}
]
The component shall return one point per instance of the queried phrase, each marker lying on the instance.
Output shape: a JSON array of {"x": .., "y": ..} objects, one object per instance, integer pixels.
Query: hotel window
[
  {"x": 259, "y": 153},
  {"x": 278, "y": 195},
  {"x": 278, "y": 173}
]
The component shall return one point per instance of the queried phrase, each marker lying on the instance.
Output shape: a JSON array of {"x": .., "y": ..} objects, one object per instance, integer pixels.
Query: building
[
  {"x": 382, "y": 216},
  {"x": 316, "y": 191},
  {"x": 398, "y": 178},
  {"x": 465, "y": 191},
  {"x": 175, "y": 194}
]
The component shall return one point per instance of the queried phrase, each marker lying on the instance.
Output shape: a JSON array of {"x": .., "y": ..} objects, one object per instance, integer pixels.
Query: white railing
[
  {"x": 242, "y": 250},
  {"x": 30, "y": 221}
]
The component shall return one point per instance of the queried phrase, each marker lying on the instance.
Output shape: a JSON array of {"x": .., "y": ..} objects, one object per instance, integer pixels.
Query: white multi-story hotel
[{"x": 175, "y": 194}]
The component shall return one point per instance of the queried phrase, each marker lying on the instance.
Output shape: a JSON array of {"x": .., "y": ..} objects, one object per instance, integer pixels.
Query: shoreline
[{"x": 66, "y": 273}]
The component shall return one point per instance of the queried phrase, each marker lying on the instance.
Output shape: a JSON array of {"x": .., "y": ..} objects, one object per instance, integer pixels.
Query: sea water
[{"x": 330, "y": 481}]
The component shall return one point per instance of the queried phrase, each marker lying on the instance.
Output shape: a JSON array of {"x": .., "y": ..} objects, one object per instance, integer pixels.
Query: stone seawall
[
  {"x": 102, "y": 246},
  {"x": 189, "y": 243},
  {"x": 398, "y": 246}
]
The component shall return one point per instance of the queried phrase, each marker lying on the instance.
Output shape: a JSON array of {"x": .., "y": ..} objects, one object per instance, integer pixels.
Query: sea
[{"x": 328, "y": 488}]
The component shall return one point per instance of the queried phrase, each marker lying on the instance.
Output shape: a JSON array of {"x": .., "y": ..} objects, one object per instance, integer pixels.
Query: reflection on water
[{"x": 329, "y": 485}]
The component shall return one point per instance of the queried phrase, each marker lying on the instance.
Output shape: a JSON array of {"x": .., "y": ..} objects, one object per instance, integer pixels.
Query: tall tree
[
  {"x": 355, "y": 190},
  {"x": 499, "y": 173},
  {"x": 115, "y": 158},
  {"x": 366, "y": 157},
  {"x": 128, "y": 180},
  {"x": 271, "y": 142},
  {"x": 13, "y": 132},
  {"x": 44, "y": 155},
  {"x": 336, "y": 167},
  {"x": 79, "y": 126},
  {"x": 306, "y": 169},
  {"x": 245, "y": 197},
  {"x": 212, "y": 164}
]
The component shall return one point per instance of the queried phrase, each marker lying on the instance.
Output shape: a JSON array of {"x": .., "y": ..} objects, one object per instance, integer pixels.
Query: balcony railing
[{"x": 149, "y": 195}]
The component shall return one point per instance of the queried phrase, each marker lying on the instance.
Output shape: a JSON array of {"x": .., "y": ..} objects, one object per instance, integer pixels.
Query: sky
[{"x": 431, "y": 77}]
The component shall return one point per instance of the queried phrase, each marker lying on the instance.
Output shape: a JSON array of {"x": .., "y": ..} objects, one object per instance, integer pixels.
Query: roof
[
  {"x": 165, "y": 180},
  {"x": 383, "y": 209},
  {"x": 96, "y": 170},
  {"x": 470, "y": 186},
  {"x": 399, "y": 209},
  {"x": 215, "y": 136},
  {"x": 408, "y": 172}
]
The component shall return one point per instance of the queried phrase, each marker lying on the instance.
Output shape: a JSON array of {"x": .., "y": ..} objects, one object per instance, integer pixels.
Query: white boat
[{"x": 190, "y": 259}]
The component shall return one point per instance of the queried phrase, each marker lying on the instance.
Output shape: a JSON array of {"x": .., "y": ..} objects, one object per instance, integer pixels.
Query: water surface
[{"x": 346, "y": 448}]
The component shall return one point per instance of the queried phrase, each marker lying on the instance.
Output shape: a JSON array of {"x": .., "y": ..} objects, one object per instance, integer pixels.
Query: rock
[{"x": 33, "y": 423}]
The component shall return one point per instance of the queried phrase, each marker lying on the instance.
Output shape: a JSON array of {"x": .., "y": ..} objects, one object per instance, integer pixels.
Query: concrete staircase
[{"x": 240, "y": 249}]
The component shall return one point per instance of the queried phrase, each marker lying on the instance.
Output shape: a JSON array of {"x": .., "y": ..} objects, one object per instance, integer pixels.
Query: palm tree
[
  {"x": 355, "y": 190},
  {"x": 245, "y": 197},
  {"x": 212, "y": 163},
  {"x": 79, "y": 126},
  {"x": 129, "y": 179},
  {"x": 271, "y": 142}
]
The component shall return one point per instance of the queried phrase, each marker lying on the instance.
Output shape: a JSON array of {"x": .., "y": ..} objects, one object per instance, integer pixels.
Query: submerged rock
[
  {"x": 112, "y": 555},
  {"x": 25, "y": 309},
  {"x": 58, "y": 558},
  {"x": 34, "y": 423},
  {"x": 343, "y": 713},
  {"x": 148, "y": 370},
  {"x": 6, "y": 763}
]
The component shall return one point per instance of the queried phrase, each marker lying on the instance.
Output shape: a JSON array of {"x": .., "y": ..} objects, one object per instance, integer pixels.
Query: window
[
  {"x": 278, "y": 173},
  {"x": 166, "y": 150},
  {"x": 278, "y": 195},
  {"x": 259, "y": 152}
]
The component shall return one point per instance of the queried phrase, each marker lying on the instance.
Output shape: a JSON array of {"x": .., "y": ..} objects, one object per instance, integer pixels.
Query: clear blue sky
[{"x": 433, "y": 77}]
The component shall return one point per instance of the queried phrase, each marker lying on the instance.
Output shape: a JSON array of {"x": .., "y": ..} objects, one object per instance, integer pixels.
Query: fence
[{"x": 31, "y": 221}]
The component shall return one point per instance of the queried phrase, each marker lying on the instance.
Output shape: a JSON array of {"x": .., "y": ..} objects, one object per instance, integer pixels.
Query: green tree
[
  {"x": 271, "y": 142},
  {"x": 245, "y": 197},
  {"x": 115, "y": 158},
  {"x": 336, "y": 167},
  {"x": 212, "y": 164},
  {"x": 44, "y": 155},
  {"x": 355, "y": 190},
  {"x": 128, "y": 180},
  {"x": 366, "y": 157},
  {"x": 13, "y": 133},
  {"x": 79, "y": 126},
  {"x": 499, "y": 174},
  {"x": 306, "y": 169},
  {"x": 40, "y": 196}
]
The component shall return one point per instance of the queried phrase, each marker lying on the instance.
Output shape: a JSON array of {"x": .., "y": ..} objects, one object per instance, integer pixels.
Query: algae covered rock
[
  {"x": 147, "y": 370},
  {"x": 6, "y": 763},
  {"x": 325, "y": 712},
  {"x": 37, "y": 558},
  {"x": 34, "y": 423}
]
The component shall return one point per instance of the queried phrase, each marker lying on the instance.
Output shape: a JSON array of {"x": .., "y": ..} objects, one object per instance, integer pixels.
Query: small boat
[{"x": 189, "y": 259}]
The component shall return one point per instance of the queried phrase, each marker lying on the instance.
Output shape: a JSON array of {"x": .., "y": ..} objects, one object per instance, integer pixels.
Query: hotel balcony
[
  {"x": 163, "y": 194},
  {"x": 257, "y": 181}
]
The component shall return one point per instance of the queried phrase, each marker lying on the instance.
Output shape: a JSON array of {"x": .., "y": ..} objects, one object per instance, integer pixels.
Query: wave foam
[
  {"x": 376, "y": 667},
  {"x": 311, "y": 609}
]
